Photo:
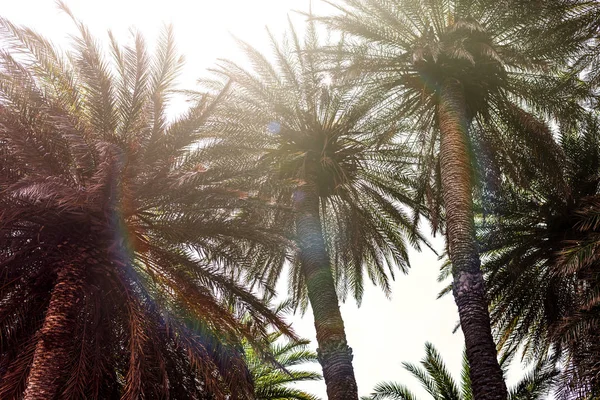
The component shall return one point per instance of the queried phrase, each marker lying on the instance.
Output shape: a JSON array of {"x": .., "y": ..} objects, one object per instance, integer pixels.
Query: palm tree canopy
[
  {"x": 440, "y": 385},
  {"x": 289, "y": 123},
  {"x": 541, "y": 256},
  {"x": 509, "y": 59},
  {"x": 95, "y": 176}
]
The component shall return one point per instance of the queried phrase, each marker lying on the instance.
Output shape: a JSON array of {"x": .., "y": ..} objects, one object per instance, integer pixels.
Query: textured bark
[
  {"x": 334, "y": 353},
  {"x": 468, "y": 285},
  {"x": 52, "y": 352}
]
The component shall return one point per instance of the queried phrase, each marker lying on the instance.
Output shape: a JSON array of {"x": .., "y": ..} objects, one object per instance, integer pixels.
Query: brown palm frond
[{"x": 95, "y": 178}]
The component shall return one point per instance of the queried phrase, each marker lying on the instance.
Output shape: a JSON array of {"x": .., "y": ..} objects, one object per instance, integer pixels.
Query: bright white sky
[{"x": 382, "y": 332}]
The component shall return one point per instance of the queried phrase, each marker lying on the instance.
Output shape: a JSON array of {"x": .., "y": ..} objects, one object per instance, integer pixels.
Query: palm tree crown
[
  {"x": 290, "y": 124},
  {"x": 410, "y": 48},
  {"x": 111, "y": 231},
  {"x": 540, "y": 263}
]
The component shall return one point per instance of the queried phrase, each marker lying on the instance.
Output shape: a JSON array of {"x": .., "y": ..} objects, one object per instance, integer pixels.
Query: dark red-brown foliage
[{"x": 112, "y": 230}]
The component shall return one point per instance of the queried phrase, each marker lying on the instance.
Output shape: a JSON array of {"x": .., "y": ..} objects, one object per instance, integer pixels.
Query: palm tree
[
  {"x": 470, "y": 76},
  {"x": 305, "y": 140},
  {"x": 272, "y": 378},
  {"x": 541, "y": 262},
  {"x": 112, "y": 231},
  {"x": 439, "y": 383}
]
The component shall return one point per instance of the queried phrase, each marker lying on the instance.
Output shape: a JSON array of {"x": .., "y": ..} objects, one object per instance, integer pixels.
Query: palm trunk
[
  {"x": 334, "y": 353},
  {"x": 52, "y": 352},
  {"x": 468, "y": 285}
]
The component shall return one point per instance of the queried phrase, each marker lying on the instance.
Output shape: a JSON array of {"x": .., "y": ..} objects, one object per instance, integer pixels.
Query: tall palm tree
[
  {"x": 439, "y": 383},
  {"x": 305, "y": 140},
  {"x": 112, "y": 231},
  {"x": 272, "y": 378},
  {"x": 541, "y": 261},
  {"x": 470, "y": 76}
]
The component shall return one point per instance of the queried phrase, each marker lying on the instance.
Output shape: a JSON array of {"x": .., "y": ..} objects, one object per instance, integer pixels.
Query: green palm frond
[
  {"x": 273, "y": 378},
  {"x": 392, "y": 391},
  {"x": 435, "y": 378},
  {"x": 434, "y": 365},
  {"x": 537, "y": 383}
]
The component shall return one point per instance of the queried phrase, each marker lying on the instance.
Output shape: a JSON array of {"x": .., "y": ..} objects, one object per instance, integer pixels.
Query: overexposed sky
[{"x": 382, "y": 332}]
